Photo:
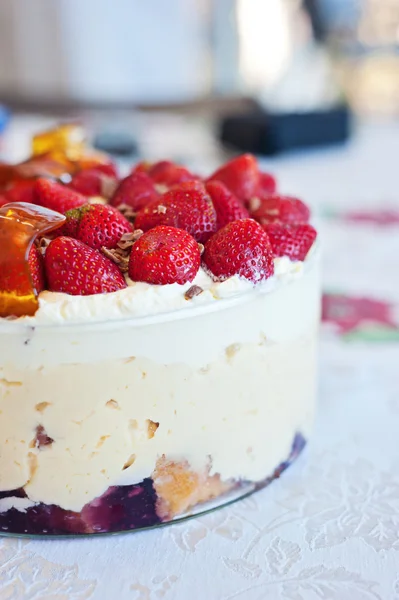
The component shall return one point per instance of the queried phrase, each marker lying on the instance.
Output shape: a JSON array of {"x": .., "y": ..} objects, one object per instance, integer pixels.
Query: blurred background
[
  {"x": 310, "y": 86},
  {"x": 190, "y": 78}
]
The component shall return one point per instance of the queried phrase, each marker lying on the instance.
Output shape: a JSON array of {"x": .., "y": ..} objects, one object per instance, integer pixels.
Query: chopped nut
[
  {"x": 42, "y": 244},
  {"x": 41, "y": 407},
  {"x": 152, "y": 426},
  {"x": 127, "y": 212},
  {"x": 254, "y": 203},
  {"x": 124, "y": 245},
  {"x": 121, "y": 254},
  {"x": 127, "y": 240},
  {"x": 108, "y": 186},
  {"x": 232, "y": 350},
  {"x": 194, "y": 290},
  {"x": 112, "y": 404},
  {"x": 161, "y": 188},
  {"x": 97, "y": 200},
  {"x": 161, "y": 209},
  {"x": 118, "y": 256},
  {"x": 41, "y": 439},
  {"x": 129, "y": 236},
  {"x": 129, "y": 462},
  {"x": 101, "y": 441},
  {"x": 137, "y": 234}
]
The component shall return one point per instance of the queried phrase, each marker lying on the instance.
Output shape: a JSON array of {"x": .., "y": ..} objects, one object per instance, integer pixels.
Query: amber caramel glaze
[
  {"x": 46, "y": 165},
  {"x": 67, "y": 140},
  {"x": 66, "y": 145},
  {"x": 20, "y": 224}
]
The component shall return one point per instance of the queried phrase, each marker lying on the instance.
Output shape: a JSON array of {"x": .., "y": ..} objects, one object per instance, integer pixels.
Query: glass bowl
[{"x": 126, "y": 424}]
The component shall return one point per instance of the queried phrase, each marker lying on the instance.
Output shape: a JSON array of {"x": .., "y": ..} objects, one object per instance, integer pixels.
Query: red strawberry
[
  {"x": 93, "y": 182},
  {"x": 36, "y": 266},
  {"x": 141, "y": 167},
  {"x": 228, "y": 207},
  {"x": 240, "y": 175},
  {"x": 56, "y": 196},
  {"x": 70, "y": 227},
  {"x": 21, "y": 190},
  {"x": 195, "y": 185},
  {"x": 293, "y": 241},
  {"x": 284, "y": 209},
  {"x": 187, "y": 206},
  {"x": 74, "y": 268},
  {"x": 107, "y": 168},
  {"x": 3, "y": 200},
  {"x": 240, "y": 248},
  {"x": 136, "y": 190},
  {"x": 96, "y": 225},
  {"x": 267, "y": 185},
  {"x": 164, "y": 255},
  {"x": 13, "y": 275},
  {"x": 168, "y": 173}
]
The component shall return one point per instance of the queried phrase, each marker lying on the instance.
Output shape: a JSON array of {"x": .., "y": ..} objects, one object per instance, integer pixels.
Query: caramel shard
[
  {"x": 20, "y": 224},
  {"x": 68, "y": 140}
]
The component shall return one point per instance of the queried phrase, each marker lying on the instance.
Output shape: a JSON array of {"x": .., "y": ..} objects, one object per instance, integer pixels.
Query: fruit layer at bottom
[{"x": 130, "y": 507}]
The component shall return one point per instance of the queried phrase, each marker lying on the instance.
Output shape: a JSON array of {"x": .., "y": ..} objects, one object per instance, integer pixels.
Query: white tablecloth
[{"x": 329, "y": 528}]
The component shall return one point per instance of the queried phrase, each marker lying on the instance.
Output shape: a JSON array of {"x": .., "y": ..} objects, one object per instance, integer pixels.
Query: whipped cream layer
[
  {"x": 226, "y": 384},
  {"x": 142, "y": 299}
]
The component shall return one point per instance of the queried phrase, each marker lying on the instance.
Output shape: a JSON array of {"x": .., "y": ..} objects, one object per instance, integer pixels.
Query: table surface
[{"x": 329, "y": 528}]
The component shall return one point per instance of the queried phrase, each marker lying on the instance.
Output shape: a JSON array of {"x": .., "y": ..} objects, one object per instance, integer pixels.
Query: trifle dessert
[{"x": 158, "y": 338}]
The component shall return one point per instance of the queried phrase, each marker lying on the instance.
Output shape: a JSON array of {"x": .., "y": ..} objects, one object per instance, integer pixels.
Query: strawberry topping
[
  {"x": 277, "y": 208},
  {"x": 96, "y": 225},
  {"x": 240, "y": 248},
  {"x": 93, "y": 182},
  {"x": 74, "y": 268},
  {"x": 187, "y": 206},
  {"x": 235, "y": 213},
  {"x": 267, "y": 185},
  {"x": 137, "y": 190},
  {"x": 36, "y": 267},
  {"x": 228, "y": 207},
  {"x": 21, "y": 190},
  {"x": 168, "y": 173},
  {"x": 293, "y": 241},
  {"x": 56, "y": 196},
  {"x": 164, "y": 255},
  {"x": 240, "y": 175}
]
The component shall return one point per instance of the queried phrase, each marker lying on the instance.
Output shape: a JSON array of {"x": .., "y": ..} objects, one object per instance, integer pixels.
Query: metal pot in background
[{"x": 158, "y": 52}]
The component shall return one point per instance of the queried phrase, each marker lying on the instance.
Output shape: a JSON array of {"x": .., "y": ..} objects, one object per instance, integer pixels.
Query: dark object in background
[
  {"x": 316, "y": 19},
  {"x": 118, "y": 143},
  {"x": 262, "y": 133}
]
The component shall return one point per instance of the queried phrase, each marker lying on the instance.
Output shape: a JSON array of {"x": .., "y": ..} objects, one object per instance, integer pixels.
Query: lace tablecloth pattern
[{"x": 329, "y": 528}]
